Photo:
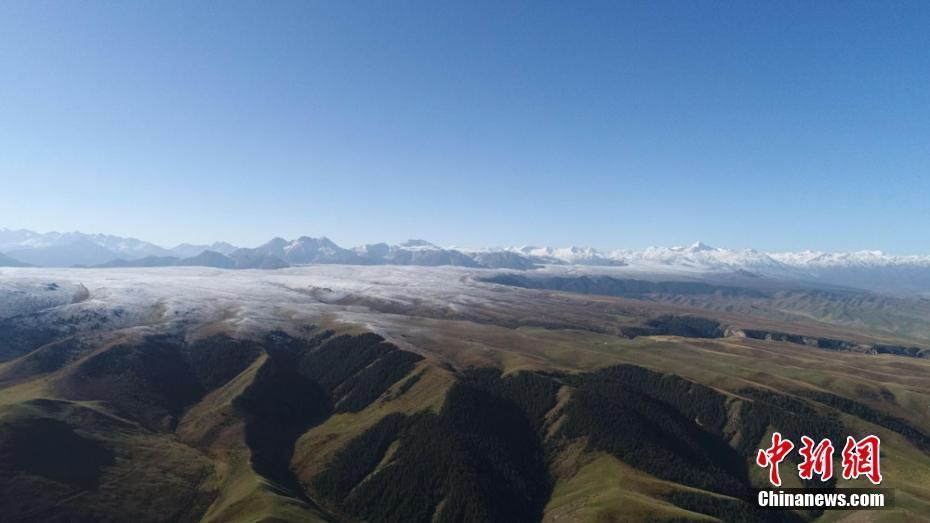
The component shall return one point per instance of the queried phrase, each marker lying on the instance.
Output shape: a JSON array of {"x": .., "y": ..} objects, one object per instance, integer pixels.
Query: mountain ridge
[
  {"x": 868, "y": 268},
  {"x": 132, "y": 248}
]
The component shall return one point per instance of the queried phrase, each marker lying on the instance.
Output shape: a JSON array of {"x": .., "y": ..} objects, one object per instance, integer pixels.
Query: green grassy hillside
[{"x": 539, "y": 405}]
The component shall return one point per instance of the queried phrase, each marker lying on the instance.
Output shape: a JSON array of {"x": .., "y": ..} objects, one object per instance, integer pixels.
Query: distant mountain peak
[
  {"x": 699, "y": 246},
  {"x": 277, "y": 241},
  {"x": 863, "y": 268},
  {"x": 415, "y": 243}
]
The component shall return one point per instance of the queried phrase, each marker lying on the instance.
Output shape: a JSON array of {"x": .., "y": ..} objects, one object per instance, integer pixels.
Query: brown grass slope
[{"x": 104, "y": 425}]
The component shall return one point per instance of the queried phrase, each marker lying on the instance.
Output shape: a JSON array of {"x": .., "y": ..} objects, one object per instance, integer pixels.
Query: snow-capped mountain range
[
  {"x": 23, "y": 247},
  {"x": 76, "y": 248}
]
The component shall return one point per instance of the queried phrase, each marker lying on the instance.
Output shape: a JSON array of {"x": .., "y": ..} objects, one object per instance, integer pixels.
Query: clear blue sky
[{"x": 776, "y": 125}]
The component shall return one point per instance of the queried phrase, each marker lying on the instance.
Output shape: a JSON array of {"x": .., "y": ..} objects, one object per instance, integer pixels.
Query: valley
[{"x": 405, "y": 393}]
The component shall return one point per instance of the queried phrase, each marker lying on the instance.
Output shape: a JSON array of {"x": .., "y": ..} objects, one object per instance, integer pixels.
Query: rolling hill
[
  {"x": 337, "y": 393},
  {"x": 6, "y": 261}
]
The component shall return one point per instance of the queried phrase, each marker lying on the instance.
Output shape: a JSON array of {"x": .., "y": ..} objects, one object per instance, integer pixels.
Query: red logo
[
  {"x": 861, "y": 458},
  {"x": 817, "y": 459},
  {"x": 774, "y": 455}
]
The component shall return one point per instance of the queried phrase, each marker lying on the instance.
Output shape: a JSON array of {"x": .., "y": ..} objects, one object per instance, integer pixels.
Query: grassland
[{"x": 176, "y": 435}]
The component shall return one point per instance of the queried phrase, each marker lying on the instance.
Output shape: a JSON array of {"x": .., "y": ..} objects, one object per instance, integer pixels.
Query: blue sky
[{"x": 777, "y": 125}]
